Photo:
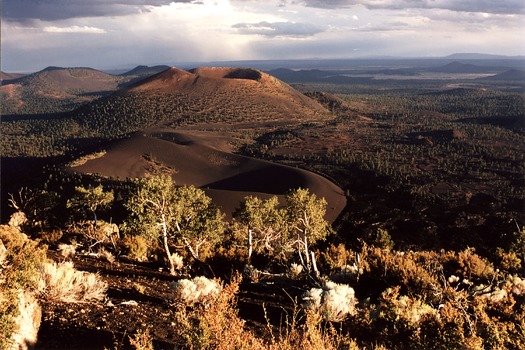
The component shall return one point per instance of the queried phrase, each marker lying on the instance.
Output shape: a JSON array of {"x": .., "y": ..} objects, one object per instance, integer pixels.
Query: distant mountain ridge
[
  {"x": 56, "y": 89},
  {"x": 10, "y": 76},
  {"x": 63, "y": 79},
  {"x": 509, "y": 75},
  {"x": 458, "y": 67},
  {"x": 480, "y": 56},
  {"x": 145, "y": 70}
]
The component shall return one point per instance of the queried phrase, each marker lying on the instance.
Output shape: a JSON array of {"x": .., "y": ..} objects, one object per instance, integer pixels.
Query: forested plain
[{"x": 431, "y": 241}]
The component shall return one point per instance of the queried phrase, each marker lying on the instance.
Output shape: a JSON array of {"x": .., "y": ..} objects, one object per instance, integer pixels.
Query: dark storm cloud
[
  {"x": 486, "y": 6},
  {"x": 50, "y": 10},
  {"x": 274, "y": 29}
]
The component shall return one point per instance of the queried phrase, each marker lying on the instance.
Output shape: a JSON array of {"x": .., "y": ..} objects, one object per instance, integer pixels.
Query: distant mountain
[
  {"x": 56, "y": 89},
  {"x": 315, "y": 76},
  {"x": 480, "y": 56},
  {"x": 144, "y": 71},
  {"x": 458, "y": 67},
  {"x": 509, "y": 75},
  {"x": 69, "y": 80},
  {"x": 10, "y": 76}
]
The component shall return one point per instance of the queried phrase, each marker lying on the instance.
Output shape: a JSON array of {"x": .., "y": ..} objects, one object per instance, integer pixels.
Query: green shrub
[{"x": 136, "y": 247}]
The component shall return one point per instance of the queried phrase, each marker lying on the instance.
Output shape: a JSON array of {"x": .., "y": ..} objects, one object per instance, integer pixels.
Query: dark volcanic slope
[
  {"x": 145, "y": 71},
  {"x": 509, "y": 75},
  {"x": 203, "y": 161}
]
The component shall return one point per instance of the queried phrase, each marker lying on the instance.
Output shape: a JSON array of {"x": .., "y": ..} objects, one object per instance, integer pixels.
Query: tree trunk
[
  {"x": 306, "y": 253},
  {"x": 314, "y": 265},
  {"x": 250, "y": 244},
  {"x": 166, "y": 246},
  {"x": 194, "y": 253}
]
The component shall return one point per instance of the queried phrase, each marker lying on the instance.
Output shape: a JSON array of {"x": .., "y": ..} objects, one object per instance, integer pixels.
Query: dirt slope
[
  {"x": 239, "y": 93},
  {"x": 203, "y": 161}
]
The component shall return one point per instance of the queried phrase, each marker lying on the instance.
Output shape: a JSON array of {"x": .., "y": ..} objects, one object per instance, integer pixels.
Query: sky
[{"x": 112, "y": 34}]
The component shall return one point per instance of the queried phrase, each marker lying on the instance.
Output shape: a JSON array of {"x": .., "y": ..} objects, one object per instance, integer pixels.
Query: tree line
[{"x": 161, "y": 216}]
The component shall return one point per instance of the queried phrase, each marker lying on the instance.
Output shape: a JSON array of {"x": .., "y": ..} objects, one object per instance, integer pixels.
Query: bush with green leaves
[
  {"x": 275, "y": 230},
  {"x": 182, "y": 216},
  {"x": 90, "y": 199}
]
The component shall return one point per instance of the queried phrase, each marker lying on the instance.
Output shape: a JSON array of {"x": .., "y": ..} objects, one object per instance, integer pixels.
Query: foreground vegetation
[{"x": 362, "y": 294}]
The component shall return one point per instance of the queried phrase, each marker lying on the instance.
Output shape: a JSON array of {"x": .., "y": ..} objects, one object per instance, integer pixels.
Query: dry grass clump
[
  {"x": 295, "y": 270},
  {"x": 178, "y": 261},
  {"x": 106, "y": 255},
  {"x": 199, "y": 290},
  {"x": 20, "y": 259},
  {"x": 334, "y": 302},
  {"x": 216, "y": 326},
  {"x": 62, "y": 282},
  {"x": 67, "y": 250},
  {"x": 517, "y": 285},
  {"x": 28, "y": 320}
]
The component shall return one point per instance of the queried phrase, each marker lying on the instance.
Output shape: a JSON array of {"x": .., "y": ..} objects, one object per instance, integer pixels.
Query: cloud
[
  {"x": 74, "y": 29},
  {"x": 52, "y": 10},
  {"x": 274, "y": 29},
  {"x": 485, "y": 6},
  {"x": 383, "y": 27},
  {"x": 170, "y": 31}
]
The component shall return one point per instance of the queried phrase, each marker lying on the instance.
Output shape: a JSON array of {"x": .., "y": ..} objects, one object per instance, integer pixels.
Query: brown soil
[
  {"x": 246, "y": 92},
  {"x": 139, "y": 297},
  {"x": 203, "y": 159}
]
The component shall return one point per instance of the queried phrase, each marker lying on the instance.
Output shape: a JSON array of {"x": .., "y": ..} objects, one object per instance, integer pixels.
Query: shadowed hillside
[
  {"x": 509, "y": 75},
  {"x": 201, "y": 159},
  {"x": 144, "y": 71},
  {"x": 458, "y": 67}
]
